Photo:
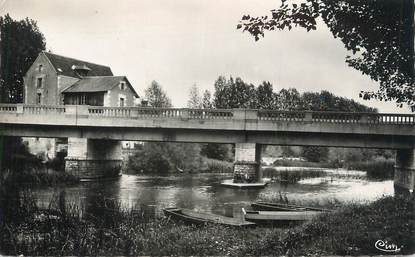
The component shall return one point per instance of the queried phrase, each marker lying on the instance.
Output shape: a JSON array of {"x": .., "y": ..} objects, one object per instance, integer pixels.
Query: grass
[
  {"x": 64, "y": 230},
  {"x": 44, "y": 177},
  {"x": 292, "y": 176},
  {"x": 292, "y": 163}
]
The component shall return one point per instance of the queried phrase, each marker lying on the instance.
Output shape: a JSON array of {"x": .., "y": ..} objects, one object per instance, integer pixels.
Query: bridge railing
[
  {"x": 338, "y": 117},
  {"x": 32, "y": 109},
  {"x": 109, "y": 112},
  {"x": 387, "y": 118},
  {"x": 146, "y": 112},
  {"x": 281, "y": 115},
  {"x": 210, "y": 114},
  {"x": 8, "y": 108},
  {"x": 43, "y": 109},
  {"x": 207, "y": 114}
]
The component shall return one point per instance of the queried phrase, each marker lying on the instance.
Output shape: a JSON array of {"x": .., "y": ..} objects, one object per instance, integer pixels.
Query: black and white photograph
[{"x": 207, "y": 128}]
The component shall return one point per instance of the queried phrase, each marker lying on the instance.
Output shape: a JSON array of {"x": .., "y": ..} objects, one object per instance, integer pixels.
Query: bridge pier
[
  {"x": 93, "y": 159},
  {"x": 404, "y": 180},
  {"x": 246, "y": 168}
]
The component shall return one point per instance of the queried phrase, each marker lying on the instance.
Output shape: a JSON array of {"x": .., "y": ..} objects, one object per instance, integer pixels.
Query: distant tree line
[{"x": 236, "y": 93}]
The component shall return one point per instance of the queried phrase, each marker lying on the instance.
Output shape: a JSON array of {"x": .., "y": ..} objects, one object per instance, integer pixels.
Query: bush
[
  {"x": 217, "y": 166},
  {"x": 162, "y": 158},
  {"x": 380, "y": 168},
  {"x": 58, "y": 163},
  {"x": 315, "y": 153},
  {"x": 221, "y": 152},
  {"x": 292, "y": 176}
]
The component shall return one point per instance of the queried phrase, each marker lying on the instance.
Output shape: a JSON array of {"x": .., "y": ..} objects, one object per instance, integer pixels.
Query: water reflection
[{"x": 203, "y": 192}]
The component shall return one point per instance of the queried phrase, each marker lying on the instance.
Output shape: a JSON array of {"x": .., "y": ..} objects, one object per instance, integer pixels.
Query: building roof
[
  {"x": 64, "y": 66},
  {"x": 98, "y": 84}
]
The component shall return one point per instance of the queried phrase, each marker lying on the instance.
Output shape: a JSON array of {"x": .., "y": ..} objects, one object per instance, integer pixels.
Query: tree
[
  {"x": 288, "y": 99},
  {"x": 156, "y": 96},
  {"x": 217, "y": 151},
  {"x": 195, "y": 100},
  {"x": 326, "y": 101},
  {"x": 163, "y": 158},
  {"x": 17, "y": 156},
  {"x": 233, "y": 94},
  {"x": 265, "y": 96},
  {"x": 20, "y": 43},
  {"x": 206, "y": 100},
  {"x": 378, "y": 33}
]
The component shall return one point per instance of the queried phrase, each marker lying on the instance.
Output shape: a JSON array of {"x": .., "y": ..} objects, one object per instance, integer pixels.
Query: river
[{"x": 203, "y": 192}]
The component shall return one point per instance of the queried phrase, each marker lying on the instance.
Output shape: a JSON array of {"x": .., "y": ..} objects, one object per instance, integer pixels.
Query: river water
[{"x": 204, "y": 192}]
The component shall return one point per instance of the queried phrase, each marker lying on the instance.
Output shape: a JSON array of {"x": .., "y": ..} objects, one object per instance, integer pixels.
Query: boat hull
[
  {"x": 266, "y": 206},
  {"x": 271, "y": 216},
  {"x": 198, "y": 218}
]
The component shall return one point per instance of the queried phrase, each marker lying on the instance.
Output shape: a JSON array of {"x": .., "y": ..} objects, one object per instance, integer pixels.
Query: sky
[{"x": 185, "y": 42}]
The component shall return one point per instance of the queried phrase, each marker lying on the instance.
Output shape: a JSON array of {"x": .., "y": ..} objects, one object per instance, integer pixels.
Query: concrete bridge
[{"x": 94, "y": 132}]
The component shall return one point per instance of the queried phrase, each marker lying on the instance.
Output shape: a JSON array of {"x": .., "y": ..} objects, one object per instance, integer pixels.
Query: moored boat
[
  {"x": 267, "y": 206},
  {"x": 194, "y": 217},
  {"x": 271, "y": 216}
]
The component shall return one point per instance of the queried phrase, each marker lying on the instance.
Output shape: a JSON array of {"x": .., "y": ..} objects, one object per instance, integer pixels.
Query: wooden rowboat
[
  {"x": 271, "y": 216},
  {"x": 200, "y": 218},
  {"x": 266, "y": 206}
]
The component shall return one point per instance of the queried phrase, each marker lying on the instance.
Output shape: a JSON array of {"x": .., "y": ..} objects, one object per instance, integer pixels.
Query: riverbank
[
  {"x": 381, "y": 169},
  {"x": 351, "y": 230},
  {"x": 37, "y": 176}
]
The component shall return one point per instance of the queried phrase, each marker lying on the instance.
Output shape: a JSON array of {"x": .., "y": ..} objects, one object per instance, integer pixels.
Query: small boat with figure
[
  {"x": 193, "y": 217},
  {"x": 267, "y": 206},
  {"x": 277, "y": 216}
]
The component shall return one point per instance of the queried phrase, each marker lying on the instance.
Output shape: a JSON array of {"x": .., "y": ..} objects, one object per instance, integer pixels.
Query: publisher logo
[{"x": 385, "y": 246}]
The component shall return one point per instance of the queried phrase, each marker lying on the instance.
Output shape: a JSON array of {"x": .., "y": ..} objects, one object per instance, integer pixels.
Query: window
[
  {"x": 39, "y": 82},
  {"x": 40, "y": 67},
  {"x": 39, "y": 98},
  {"x": 122, "y": 85},
  {"x": 122, "y": 102}
]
